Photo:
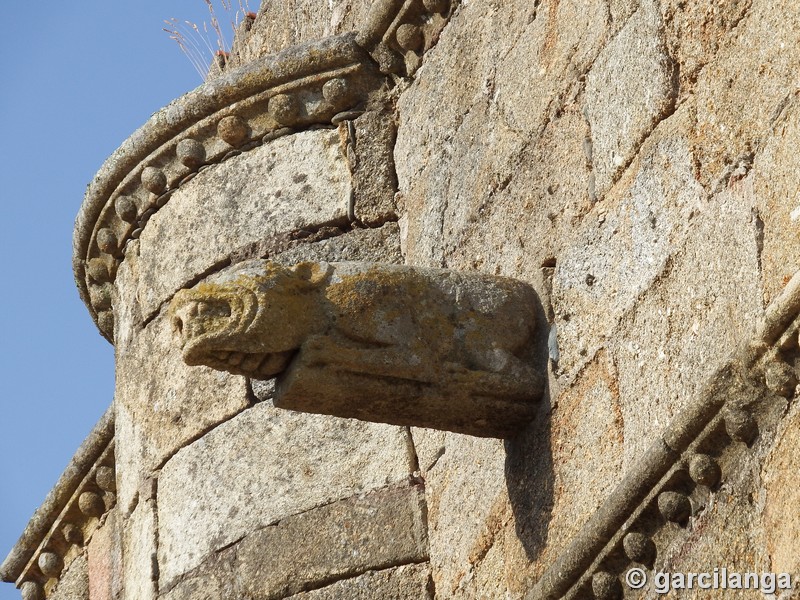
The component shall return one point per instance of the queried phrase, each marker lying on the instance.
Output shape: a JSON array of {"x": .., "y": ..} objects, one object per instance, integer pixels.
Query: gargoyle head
[{"x": 249, "y": 323}]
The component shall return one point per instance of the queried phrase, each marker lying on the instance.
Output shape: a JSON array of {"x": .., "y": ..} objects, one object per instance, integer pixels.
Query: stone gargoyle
[{"x": 378, "y": 342}]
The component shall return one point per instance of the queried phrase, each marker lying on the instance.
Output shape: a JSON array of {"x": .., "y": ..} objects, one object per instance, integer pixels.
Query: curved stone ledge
[
  {"x": 60, "y": 527},
  {"x": 318, "y": 83},
  {"x": 302, "y": 86},
  {"x": 688, "y": 461}
]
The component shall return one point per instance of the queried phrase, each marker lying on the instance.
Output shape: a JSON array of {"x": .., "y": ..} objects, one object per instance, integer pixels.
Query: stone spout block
[{"x": 377, "y": 342}]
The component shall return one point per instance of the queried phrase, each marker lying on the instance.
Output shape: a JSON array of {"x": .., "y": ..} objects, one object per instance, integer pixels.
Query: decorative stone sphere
[
  {"x": 154, "y": 180},
  {"x": 50, "y": 564},
  {"x": 105, "y": 321},
  {"x": 101, "y": 296},
  {"x": 107, "y": 241},
  {"x": 639, "y": 548},
  {"x": 435, "y": 6},
  {"x": 91, "y": 504},
  {"x": 97, "y": 269},
  {"x": 781, "y": 379},
  {"x": 741, "y": 426},
  {"x": 704, "y": 470},
  {"x": 335, "y": 90},
  {"x": 285, "y": 109},
  {"x": 233, "y": 130},
  {"x": 409, "y": 37},
  {"x": 72, "y": 533},
  {"x": 106, "y": 479},
  {"x": 674, "y": 506},
  {"x": 191, "y": 153},
  {"x": 126, "y": 208},
  {"x": 32, "y": 591}
]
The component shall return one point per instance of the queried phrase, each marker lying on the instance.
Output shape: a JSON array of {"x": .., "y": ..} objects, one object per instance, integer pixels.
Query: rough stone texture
[
  {"x": 503, "y": 149},
  {"x": 74, "y": 582},
  {"x": 635, "y": 161},
  {"x": 777, "y": 200},
  {"x": 247, "y": 473},
  {"x": 743, "y": 91},
  {"x": 377, "y": 245},
  {"x": 105, "y": 560},
  {"x": 781, "y": 498},
  {"x": 628, "y": 90},
  {"x": 618, "y": 255},
  {"x": 384, "y": 343},
  {"x": 428, "y": 445},
  {"x": 140, "y": 544},
  {"x": 214, "y": 579},
  {"x": 370, "y": 155},
  {"x": 285, "y": 23},
  {"x": 306, "y": 184},
  {"x": 738, "y": 527},
  {"x": 667, "y": 347},
  {"x": 373, "y": 531},
  {"x": 401, "y": 583},
  {"x": 162, "y": 404},
  {"x": 509, "y": 74},
  {"x": 470, "y": 473}
]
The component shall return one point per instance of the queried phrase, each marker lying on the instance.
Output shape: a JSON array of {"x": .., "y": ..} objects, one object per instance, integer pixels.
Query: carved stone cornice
[
  {"x": 696, "y": 452},
  {"x": 63, "y": 524},
  {"x": 323, "y": 82}
]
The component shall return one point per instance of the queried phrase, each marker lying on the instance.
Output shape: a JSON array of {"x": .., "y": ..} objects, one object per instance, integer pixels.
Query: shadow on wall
[{"x": 529, "y": 463}]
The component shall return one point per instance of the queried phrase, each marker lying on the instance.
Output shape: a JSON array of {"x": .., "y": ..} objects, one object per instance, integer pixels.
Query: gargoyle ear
[{"x": 314, "y": 273}]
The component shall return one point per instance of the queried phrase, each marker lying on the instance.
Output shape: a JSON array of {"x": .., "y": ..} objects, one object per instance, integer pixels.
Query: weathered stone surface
[
  {"x": 400, "y": 583},
  {"x": 732, "y": 119},
  {"x": 695, "y": 31},
  {"x": 619, "y": 255},
  {"x": 385, "y": 343},
  {"x": 470, "y": 171},
  {"x": 214, "y": 579},
  {"x": 74, "y": 582},
  {"x": 777, "y": 200},
  {"x": 369, "y": 532},
  {"x": 629, "y": 89},
  {"x": 679, "y": 332},
  {"x": 510, "y": 138},
  {"x": 429, "y": 446},
  {"x": 162, "y": 404},
  {"x": 470, "y": 472},
  {"x": 381, "y": 244},
  {"x": 248, "y": 473},
  {"x": 200, "y": 588},
  {"x": 285, "y": 23},
  {"x": 370, "y": 155},
  {"x": 782, "y": 497},
  {"x": 140, "y": 544},
  {"x": 308, "y": 184},
  {"x": 105, "y": 560}
]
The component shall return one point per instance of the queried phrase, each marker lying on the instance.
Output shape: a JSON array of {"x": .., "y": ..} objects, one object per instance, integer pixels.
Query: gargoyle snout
[{"x": 182, "y": 315}]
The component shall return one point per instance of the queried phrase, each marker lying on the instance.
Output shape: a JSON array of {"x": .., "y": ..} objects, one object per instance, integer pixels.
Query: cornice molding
[
  {"x": 61, "y": 526},
  {"x": 319, "y": 83},
  {"x": 696, "y": 452}
]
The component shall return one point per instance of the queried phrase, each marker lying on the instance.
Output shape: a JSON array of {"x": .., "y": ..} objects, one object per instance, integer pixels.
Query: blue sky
[{"x": 75, "y": 81}]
